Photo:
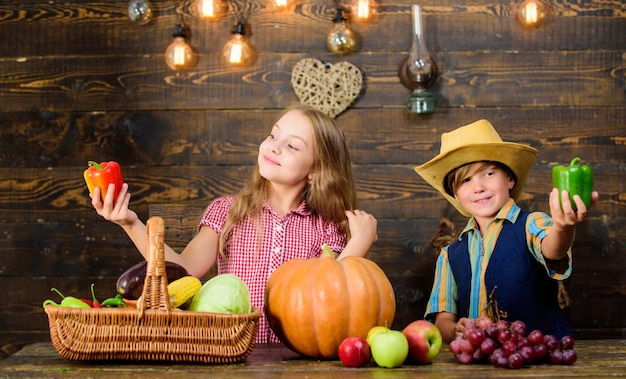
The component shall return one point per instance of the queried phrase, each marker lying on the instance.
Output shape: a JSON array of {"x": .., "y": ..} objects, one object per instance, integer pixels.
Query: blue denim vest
[{"x": 525, "y": 291}]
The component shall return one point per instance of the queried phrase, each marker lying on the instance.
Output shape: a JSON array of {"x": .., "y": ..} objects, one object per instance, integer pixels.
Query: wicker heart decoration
[{"x": 330, "y": 88}]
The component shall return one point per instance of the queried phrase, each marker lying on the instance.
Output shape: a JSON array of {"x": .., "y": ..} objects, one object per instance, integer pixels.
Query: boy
[{"x": 504, "y": 254}]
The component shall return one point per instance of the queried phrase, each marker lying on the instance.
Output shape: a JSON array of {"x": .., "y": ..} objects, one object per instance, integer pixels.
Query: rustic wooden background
[{"x": 80, "y": 82}]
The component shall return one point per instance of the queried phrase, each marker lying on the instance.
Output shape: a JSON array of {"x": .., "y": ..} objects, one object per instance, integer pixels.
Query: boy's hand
[
  {"x": 460, "y": 325},
  {"x": 567, "y": 216}
]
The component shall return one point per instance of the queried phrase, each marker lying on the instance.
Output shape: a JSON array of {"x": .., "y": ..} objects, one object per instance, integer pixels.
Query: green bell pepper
[{"x": 575, "y": 179}]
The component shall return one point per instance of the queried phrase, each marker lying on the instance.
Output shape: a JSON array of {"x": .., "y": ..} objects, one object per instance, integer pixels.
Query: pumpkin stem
[{"x": 327, "y": 252}]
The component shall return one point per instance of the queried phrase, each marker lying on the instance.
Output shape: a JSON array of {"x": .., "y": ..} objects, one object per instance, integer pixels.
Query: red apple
[
  {"x": 424, "y": 341},
  {"x": 355, "y": 352}
]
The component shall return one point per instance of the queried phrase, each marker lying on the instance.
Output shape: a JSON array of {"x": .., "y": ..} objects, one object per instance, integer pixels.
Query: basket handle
[{"x": 154, "y": 294}]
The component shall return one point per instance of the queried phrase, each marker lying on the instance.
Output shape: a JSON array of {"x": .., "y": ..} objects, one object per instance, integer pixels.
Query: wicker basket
[{"x": 152, "y": 332}]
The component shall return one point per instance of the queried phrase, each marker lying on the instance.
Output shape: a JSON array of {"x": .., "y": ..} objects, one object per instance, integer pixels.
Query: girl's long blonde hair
[{"x": 329, "y": 193}]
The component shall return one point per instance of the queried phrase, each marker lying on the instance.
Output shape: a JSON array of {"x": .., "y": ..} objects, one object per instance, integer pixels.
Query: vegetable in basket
[
  {"x": 114, "y": 302},
  {"x": 94, "y": 303},
  {"x": 68, "y": 301},
  {"x": 130, "y": 283},
  {"x": 182, "y": 290},
  {"x": 224, "y": 293}
]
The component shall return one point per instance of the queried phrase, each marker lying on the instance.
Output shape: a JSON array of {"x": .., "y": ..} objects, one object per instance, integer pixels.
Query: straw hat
[{"x": 475, "y": 142}]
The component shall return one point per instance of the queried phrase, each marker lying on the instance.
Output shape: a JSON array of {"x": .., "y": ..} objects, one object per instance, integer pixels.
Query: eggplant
[{"x": 130, "y": 283}]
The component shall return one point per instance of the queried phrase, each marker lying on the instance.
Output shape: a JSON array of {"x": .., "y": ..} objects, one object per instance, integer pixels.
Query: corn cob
[{"x": 183, "y": 289}]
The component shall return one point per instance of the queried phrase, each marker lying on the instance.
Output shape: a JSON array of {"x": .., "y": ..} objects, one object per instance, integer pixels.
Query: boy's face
[{"x": 484, "y": 190}]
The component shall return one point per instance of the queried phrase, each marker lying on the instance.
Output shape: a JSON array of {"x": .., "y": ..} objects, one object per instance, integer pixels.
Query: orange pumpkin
[{"x": 314, "y": 304}]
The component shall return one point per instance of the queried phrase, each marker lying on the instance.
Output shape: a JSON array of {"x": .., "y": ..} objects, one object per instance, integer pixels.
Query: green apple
[{"x": 389, "y": 348}]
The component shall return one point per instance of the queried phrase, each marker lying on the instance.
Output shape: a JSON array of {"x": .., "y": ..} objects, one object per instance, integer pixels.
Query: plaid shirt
[
  {"x": 300, "y": 234},
  {"x": 444, "y": 292}
]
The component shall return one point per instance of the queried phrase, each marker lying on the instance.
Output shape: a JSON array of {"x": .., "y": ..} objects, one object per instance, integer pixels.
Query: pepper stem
[
  {"x": 574, "y": 161},
  {"x": 48, "y": 302},
  {"x": 95, "y": 164},
  {"x": 59, "y": 292},
  {"x": 93, "y": 295}
]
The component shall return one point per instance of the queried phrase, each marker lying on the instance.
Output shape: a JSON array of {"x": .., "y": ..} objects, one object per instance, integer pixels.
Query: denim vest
[{"x": 525, "y": 291}]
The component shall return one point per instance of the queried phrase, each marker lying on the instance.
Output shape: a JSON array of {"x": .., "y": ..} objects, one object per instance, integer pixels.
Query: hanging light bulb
[
  {"x": 179, "y": 55},
  {"x": 532, "y": 13},
  {"x": 363, "y": 10},
  {"x": 281, "y": 4},
  {"x": 236, "y": 51},
  {"x": 209, "y": 9},
  {"x": 340, "y": 40},
  {"x": 140, "y": 11},
  {"x": 418, "y": 71}
]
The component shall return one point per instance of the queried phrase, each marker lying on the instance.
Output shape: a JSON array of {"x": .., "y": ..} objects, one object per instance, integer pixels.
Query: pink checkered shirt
[{"x": 300, "y": 234}]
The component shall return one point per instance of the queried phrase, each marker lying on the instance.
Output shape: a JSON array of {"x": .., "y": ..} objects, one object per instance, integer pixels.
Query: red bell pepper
[{"x": 101, "y": 175}]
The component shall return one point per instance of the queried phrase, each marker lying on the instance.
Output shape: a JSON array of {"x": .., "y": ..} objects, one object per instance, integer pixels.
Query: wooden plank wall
[{"x": 80, "y": 82}]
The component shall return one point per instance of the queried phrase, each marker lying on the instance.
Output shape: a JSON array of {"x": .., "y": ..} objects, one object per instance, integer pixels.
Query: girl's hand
[
  {"x": 117, "y": 211},
  {"x": 362, "y": 226},
  {"x": 362, "y": 234}
]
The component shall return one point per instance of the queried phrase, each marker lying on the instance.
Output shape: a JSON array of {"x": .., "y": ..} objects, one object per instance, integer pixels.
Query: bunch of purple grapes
[{"x": 506, "y": 344}]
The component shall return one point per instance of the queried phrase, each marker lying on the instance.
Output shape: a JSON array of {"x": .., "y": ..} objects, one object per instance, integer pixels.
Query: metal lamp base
[{"x": 422, "y": 102}]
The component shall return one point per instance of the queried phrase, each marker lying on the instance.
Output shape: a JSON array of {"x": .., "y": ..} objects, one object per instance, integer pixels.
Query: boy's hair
[
  {"x": 329, "y": 193},
  {"x": 455, "y": 177}
]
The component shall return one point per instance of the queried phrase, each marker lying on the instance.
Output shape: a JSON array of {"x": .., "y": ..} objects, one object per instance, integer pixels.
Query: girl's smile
[{"x": 270, "y": 160}]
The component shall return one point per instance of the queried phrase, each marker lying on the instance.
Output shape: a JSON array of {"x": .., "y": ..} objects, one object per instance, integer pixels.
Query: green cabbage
[{"x": 225, "y": 293}]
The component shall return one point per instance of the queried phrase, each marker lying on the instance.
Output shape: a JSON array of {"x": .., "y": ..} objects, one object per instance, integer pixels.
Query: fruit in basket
[
  {"x": 314, "y": 304},
  {"x": 224, "y": 293},
  {"x": 182, "y": 290},
  {"x": 390, "y": 348},
  {"x": 424, "y": 341},
  {"x": 130, "y": 283},
  {"x": 355, "y": 352}
]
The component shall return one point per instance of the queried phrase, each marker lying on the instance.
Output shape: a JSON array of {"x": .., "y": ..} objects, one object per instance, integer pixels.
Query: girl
[{"x": 300, "y": 196}]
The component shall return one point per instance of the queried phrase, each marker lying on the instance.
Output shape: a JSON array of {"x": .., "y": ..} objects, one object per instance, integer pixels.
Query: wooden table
[{"x": 596, "y": 359}]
